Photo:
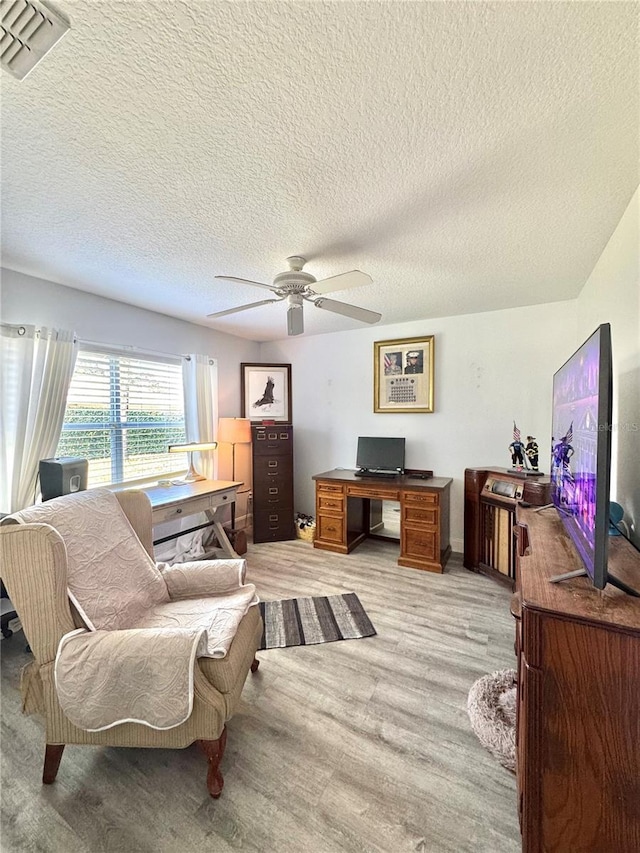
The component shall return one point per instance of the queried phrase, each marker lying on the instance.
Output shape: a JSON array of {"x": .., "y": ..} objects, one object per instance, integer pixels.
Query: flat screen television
[
  {"x": 581, "y": 453},
  {"x": 380, "y": 454}
]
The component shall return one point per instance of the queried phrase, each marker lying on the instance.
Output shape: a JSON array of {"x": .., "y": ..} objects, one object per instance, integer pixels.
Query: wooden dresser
[
  {"x": 272, "y": 450},
  {"x": 578, "y": 713},
  {"x": 343, "y": 507}
]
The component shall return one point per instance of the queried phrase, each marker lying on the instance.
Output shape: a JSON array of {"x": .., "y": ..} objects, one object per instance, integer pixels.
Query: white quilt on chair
[
  {"x": 135, "y": 610},
  {"x": 104, "y": 678}
]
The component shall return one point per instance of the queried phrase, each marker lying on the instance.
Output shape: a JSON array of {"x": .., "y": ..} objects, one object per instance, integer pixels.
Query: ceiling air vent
[{"x": 29, "y": 29}]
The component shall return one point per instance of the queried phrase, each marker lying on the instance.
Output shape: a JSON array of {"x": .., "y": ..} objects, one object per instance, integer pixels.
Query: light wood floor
[{"x": 360, "y": 745}]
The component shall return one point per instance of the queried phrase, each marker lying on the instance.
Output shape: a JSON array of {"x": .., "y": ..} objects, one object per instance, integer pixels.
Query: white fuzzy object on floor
[{"x": 492, "y": 711}]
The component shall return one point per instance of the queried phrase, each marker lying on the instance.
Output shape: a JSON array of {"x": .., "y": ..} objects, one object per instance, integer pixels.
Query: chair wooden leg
[
  {"x": 52, "y": 756},
  {"x": 214, "y": 750},
  {"x": 255, "y": 665}
]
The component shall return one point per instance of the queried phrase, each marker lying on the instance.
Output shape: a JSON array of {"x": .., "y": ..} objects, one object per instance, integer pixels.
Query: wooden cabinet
[
  {"x": 578, "y": 712},
  {"x": 491, "y": 496},
  {"x": 272, "y": 449},
  {"x": 343, "y": 515}
]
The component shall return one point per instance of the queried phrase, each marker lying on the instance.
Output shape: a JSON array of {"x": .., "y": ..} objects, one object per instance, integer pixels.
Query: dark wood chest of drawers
[
  {"x": 578, "y": 712},
  {"x": 273, "y": 483}
]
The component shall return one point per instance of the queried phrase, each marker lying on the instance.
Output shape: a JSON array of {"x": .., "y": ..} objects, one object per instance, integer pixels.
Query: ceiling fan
[{"x": 297, "y": 286}]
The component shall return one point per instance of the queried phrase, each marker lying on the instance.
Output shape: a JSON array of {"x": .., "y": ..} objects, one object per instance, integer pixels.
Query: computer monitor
[{"x": 377, "y": 453}]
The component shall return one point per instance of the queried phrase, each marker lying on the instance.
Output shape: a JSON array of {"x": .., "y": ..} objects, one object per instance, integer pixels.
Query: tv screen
[
  {"x": 380, "y": 454},
  {"x": 581, "y": 450}
]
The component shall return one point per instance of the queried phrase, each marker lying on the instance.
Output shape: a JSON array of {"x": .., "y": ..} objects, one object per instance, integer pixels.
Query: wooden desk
[
  {"x": 343, "y": 509},
  {"x": 172, "y": 503}
]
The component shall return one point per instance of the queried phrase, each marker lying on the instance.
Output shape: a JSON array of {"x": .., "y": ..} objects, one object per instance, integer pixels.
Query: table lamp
[
  {"x": 192, "y": 476},
  {"x": 234, "y": 431}
]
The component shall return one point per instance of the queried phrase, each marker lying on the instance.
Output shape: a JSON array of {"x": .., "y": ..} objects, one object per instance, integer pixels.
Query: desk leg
[{"x": 221, "y": 536}]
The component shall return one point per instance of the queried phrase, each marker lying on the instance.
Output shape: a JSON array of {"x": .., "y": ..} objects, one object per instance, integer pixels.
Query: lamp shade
[
  {"x": 192, "y": 475},
  {"x": 193, "y": 447},
  {"x": 234, "y": 430}
]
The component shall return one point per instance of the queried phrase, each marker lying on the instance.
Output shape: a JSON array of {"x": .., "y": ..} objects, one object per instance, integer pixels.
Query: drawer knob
[
  {"x": 224, "y": 497},
  {"x": 178, "y": 511}
]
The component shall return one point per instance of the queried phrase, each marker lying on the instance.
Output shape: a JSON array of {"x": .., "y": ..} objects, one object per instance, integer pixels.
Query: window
[{"x": 122, "y": 413}]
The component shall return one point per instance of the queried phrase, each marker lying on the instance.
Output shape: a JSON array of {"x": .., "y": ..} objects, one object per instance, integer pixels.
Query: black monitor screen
[{"x": 380, "y": 454}]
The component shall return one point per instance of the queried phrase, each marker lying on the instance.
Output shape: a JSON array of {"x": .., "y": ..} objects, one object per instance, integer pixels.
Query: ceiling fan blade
[
  {"x": 245, "y": 281},
  {"x": 295, "y": 320},
  {"x": 347, "y": 310},
  {"x": 244, "y": 307},
  {"x": 345, "y": 280}
]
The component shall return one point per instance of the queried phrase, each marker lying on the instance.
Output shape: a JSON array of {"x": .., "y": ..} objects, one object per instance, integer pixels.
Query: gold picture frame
[{"x": 403, "y": 382}]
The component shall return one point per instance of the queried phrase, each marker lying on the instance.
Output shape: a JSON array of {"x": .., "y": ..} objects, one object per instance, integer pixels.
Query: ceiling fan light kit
[
  {"x": 295, "y": 318},
  {"x": 296, "y": 286}
]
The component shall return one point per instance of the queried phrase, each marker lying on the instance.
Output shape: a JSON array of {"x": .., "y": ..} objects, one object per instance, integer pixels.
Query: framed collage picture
[
  {"x": 266, "y": 392},
  {"x": 403, "y": 375}
]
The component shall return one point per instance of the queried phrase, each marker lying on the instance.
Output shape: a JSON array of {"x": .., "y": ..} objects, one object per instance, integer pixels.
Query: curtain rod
[
  {"x": 101, "y": 345},
  {"x": 132, "y": 348},
  {"x": 22, "y": 329},
  {"x": 140, "y": 350}
]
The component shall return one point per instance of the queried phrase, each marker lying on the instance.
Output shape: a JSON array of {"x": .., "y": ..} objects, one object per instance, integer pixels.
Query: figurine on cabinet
[
  {"x": 517, "y": 449},
  {"x": 531, "y": 452}
]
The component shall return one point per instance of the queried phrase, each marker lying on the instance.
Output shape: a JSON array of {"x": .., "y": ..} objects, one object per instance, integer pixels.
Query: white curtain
[
  {"x": 200, "y": 383},
  {"x": 37, "y": 366}
]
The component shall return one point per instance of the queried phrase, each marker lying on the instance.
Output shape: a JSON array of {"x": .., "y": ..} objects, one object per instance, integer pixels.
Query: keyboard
[{"x": 382, "y": 475}]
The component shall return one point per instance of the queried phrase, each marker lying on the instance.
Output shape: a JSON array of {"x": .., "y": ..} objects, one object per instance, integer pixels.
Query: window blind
[{"x": 122, "y": 413}]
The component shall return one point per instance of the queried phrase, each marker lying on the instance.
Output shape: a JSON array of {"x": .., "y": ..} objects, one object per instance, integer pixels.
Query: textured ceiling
[{"x": 468, "y": 156}]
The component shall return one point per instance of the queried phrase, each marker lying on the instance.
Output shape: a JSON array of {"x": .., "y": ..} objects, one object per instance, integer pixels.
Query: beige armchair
[{"x": 34, "y": 569}]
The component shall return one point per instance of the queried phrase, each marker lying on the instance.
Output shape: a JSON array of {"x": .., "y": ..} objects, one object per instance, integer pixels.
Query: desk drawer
[
  {"x": 430, "y": 498},
  {"x": 420, "y": 544},
  {"x": 329, "y": 528},
  {"x": 373, "y": 492},
  {"x": 329, "y": 488},
  {"x": 419, "y": 515},
  {"x": 330, "y": 502},
  {"x": 170, "y": 513}
]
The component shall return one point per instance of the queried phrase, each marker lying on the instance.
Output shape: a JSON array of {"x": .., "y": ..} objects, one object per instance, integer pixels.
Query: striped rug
[{"x": 320, "y": 619}]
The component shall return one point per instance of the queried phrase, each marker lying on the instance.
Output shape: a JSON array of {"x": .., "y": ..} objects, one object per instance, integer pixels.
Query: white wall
[
  {"x": 612, "y": 295},
  {"x": 490, "y": 369},
  {"x": 24, "y": 299}
]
